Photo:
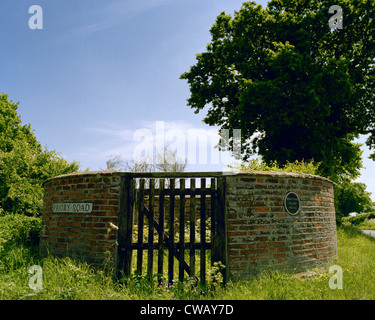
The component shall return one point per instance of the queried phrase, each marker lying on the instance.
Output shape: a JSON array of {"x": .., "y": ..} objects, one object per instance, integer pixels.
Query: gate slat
[
  {"x": 161, "y": 227},
  {"x": 150, "y": 255},
  {"x": 213, "y": 216},
  {"x": 140, "y": 225},
  {"x": 182, "y": 232},
  {"x": 192, "y": 229},
  {"x": 171, "y": 232},
  {"x": 130, "y": 223},
  {"x": 203, "y": 233}
]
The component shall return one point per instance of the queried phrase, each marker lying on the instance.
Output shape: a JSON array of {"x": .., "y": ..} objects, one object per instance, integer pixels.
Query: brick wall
[
  {"x": 86, "y": 236},
  {"x": 263, "y": 235}
]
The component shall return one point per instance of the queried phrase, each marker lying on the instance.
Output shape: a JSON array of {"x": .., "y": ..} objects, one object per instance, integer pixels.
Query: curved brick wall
[
  {"x": 261, "y": 234},
  {"x": 85, "y": 236}
]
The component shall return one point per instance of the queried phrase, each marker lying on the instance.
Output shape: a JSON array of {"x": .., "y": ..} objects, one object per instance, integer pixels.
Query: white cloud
[
  {"x": 116, "y": 12},
  {"x": 132, "y": 6},
  {"x": 111, "y": 130}
]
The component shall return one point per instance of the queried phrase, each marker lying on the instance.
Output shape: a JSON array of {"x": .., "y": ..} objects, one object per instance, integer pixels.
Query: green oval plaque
[{"x": 292, "y": 203}]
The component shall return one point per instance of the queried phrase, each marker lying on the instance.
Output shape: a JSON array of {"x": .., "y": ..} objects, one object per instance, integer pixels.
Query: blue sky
[{"x": 100, "y": 71}]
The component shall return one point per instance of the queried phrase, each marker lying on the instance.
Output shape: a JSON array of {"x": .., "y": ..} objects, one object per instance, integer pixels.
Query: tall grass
[
  {"x": 64, "y": 278},
  {"x": 356, "y": 257}
]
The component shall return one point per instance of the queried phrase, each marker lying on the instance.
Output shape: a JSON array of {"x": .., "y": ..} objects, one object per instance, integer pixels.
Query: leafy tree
[
  {"x": 10, "y": 127},
  {"x": 24, "y": 164},
  {"x": 352, "y": 197},
  {"x": 297, "y": 89}
]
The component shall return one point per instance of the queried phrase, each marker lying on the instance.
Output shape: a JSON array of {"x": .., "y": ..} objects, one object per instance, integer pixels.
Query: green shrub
[
  {"x": 358, "y": 219},
  {"x": 368, "y": 224},
  {"x": 16, "y": 229},
  {"x": 19, "y": 236},
  {"x": 352, "y": 197},
  {"x": 259, "y": 164}
]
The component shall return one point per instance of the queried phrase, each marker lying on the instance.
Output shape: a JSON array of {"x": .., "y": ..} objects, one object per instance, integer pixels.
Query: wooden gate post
[
  {"x": 125, "y": 228},
  {"x": 219, "y": 235}
]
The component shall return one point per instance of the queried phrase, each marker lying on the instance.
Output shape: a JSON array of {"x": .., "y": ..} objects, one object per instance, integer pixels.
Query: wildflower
[{"x": 112, "y": 226}]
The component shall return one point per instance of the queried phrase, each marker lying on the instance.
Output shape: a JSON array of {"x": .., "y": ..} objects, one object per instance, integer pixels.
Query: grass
[
  {"x": 356, "y": 257},
  {"x": 66, "y": 279}
]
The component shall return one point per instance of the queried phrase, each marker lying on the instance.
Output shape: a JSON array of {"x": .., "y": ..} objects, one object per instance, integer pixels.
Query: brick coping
[{"x": 82, "y": 174}]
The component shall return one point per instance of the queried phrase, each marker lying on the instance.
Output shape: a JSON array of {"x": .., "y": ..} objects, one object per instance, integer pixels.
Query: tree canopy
[
  {"x": 24, "y": 164},
  {"x": 297, "y": 89},
  {"x": 352, "y": 197}
]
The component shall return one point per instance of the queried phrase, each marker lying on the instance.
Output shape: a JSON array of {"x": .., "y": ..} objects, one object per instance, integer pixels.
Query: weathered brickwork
[
  {"x": 85, "y": 236},
  {"x": 263, "y": 235}
]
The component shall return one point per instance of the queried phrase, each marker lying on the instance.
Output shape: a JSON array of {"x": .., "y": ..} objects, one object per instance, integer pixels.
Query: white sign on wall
[{"x": 72, "y": 207}]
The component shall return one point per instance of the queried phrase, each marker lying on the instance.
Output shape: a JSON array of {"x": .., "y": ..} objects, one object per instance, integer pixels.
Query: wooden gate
[{"x": 179, "y": 219}]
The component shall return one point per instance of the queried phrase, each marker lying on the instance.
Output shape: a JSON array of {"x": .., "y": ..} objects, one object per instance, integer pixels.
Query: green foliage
[
  {"x": 66, "y": 279},
  {"x": 368, "y": 224},
  {"x": 258, "y": 164},
  {"x": 11, "y": 129},
  {"x": 159, "y": 288},
  {"x": 215, "y": 276},
  {"x": 17, "y": 231},
  {"x": 17, "y": 228},
  {"x": 358, "y": 219},
  {"x": 352, "y": 197},
  {"x": 364, "y": 221},
  {"x": 295, "y": 88},
  {"x": 24, "y": 165},
  {"x": 189, "y": 288}
]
